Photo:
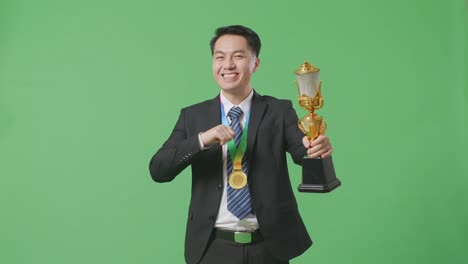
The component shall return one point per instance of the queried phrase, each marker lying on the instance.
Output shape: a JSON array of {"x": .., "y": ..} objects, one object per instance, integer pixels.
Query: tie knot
[{"x": 235, "y": 112}]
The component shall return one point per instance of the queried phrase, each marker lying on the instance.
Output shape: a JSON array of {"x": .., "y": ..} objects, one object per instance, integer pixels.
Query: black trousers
[{"x": 222, "y": 251}]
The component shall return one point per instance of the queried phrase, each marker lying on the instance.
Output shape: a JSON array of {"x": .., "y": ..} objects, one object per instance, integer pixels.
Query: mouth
[{"x": 229, "y": 76}]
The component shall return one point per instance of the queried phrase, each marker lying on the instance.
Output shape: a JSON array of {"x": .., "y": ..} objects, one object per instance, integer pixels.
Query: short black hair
[{"x": 252, "y": 38}]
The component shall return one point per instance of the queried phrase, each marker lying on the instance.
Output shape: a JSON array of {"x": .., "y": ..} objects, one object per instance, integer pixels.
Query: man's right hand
[{"x": 219, "y": 133}]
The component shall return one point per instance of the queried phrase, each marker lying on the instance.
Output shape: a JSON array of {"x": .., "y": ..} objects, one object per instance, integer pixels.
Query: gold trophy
[{"x": 318, "y": 175}]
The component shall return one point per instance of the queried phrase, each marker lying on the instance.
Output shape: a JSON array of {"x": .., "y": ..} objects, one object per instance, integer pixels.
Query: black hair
[{"x": 252, "y": 38}]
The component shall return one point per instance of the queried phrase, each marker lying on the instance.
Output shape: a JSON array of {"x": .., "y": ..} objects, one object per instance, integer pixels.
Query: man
[{"x": 242, "y": 208}]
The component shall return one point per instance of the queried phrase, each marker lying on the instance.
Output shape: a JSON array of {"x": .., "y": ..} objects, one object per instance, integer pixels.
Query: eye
[
  {"x": 219, "y": 57},
  {"x": 238, "y": 56}
]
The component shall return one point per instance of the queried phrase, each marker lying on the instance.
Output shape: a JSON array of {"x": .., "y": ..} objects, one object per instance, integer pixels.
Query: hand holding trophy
[{"x": 318, "y": 175}]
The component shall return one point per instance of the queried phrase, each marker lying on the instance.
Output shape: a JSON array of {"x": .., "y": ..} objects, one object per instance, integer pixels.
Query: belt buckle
[{"x": 243, "y": 237}]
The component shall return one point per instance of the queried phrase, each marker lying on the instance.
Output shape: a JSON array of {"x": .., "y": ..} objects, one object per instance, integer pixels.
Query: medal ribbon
[{"x": 237, "y": 152}]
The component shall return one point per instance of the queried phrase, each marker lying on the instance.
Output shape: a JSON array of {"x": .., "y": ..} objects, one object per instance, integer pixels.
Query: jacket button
[
  {"x": 212, "y": 218},
  {"x": 220, "y": 186}
]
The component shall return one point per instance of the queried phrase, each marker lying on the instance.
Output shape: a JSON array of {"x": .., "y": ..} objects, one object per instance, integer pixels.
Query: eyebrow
[{"x": 236, "y": 51}]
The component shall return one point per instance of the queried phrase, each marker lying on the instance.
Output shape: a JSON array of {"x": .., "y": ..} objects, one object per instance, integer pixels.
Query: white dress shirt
[{"x": 226, "y": 220}]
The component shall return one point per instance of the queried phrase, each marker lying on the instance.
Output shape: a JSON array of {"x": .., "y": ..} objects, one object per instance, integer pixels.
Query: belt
[{"x": 239, "y": 237}]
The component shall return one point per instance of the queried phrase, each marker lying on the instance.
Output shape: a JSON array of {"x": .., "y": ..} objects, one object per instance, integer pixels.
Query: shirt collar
[{"x": 244, "y": 105}]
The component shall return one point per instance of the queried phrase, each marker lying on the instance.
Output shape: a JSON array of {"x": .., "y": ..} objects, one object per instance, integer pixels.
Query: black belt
[{"x": 239, "y": 237}]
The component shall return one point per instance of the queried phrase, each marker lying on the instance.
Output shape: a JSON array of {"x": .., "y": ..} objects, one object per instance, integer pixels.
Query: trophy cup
[{"x": 318, "y": 175}]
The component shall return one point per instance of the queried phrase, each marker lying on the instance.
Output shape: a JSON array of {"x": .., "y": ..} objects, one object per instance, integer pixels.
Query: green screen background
[{"x": 89, "y": 90}]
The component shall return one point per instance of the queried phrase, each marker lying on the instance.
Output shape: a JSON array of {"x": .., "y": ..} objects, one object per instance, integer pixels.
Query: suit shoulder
[
  {"x": 276, "y": 102},
  {"x": 201, "y": 106}
]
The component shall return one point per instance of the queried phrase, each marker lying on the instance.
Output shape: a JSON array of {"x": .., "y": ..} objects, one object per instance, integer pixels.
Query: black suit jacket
[{"x": 273, "y": 131}]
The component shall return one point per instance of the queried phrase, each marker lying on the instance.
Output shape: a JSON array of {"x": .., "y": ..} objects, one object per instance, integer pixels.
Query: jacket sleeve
[
  {"x": 293, "y": 135},
  {"x": 175, "y": 154}
]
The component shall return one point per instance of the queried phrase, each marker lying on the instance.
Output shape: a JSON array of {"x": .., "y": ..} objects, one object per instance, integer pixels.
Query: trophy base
[
  {"x": 318, "y": 175},
  {"x": 319, "y": 188}
]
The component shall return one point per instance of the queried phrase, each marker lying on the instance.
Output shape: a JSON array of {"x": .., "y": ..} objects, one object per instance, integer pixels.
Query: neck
[{"x": 237, "y": 97}]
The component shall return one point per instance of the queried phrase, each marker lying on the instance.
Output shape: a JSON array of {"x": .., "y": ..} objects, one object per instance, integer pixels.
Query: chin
[{"x": 230, "y": 89}]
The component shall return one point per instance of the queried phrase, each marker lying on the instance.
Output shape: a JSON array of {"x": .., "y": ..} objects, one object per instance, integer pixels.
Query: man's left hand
[{"x": 320, "y": 147}]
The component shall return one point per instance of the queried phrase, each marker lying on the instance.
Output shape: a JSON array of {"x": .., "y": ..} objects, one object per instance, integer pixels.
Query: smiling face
[{"x": 233, "y": 64}]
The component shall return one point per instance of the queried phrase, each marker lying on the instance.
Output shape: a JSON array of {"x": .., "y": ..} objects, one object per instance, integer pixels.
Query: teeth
[{"x": 229, "y": 75}]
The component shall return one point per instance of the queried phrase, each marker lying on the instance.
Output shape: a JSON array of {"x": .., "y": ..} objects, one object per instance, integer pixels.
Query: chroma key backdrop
[{"x": 89, "y": 90}]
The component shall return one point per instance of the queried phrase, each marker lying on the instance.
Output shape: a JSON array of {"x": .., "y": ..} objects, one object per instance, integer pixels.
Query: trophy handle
[{"x": 323, "y": 127}]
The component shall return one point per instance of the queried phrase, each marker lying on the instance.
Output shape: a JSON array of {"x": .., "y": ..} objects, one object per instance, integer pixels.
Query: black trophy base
[{"x": 318, "y": 175}]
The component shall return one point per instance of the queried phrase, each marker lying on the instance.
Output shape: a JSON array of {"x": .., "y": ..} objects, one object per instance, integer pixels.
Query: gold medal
[{"x": 238, "y": 179}]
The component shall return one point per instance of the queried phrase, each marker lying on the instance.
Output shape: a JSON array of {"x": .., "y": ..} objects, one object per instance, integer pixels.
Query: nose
[{"x": 229, "y": 64}]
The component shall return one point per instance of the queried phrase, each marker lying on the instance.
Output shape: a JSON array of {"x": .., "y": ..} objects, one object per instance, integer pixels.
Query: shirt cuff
[{"x": 202, "y": 146}]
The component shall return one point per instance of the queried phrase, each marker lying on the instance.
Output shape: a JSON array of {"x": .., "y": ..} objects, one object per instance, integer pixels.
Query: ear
[{"x": 257, "y": 63}]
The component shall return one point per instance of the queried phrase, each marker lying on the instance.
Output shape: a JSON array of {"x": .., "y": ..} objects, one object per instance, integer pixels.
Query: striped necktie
[{"x": 238, "y": 201}]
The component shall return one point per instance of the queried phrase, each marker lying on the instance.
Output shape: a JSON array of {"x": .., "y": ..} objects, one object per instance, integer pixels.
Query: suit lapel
[
  {"x": 212, "y": 118},
  {"x": 257, "y": 111}
]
